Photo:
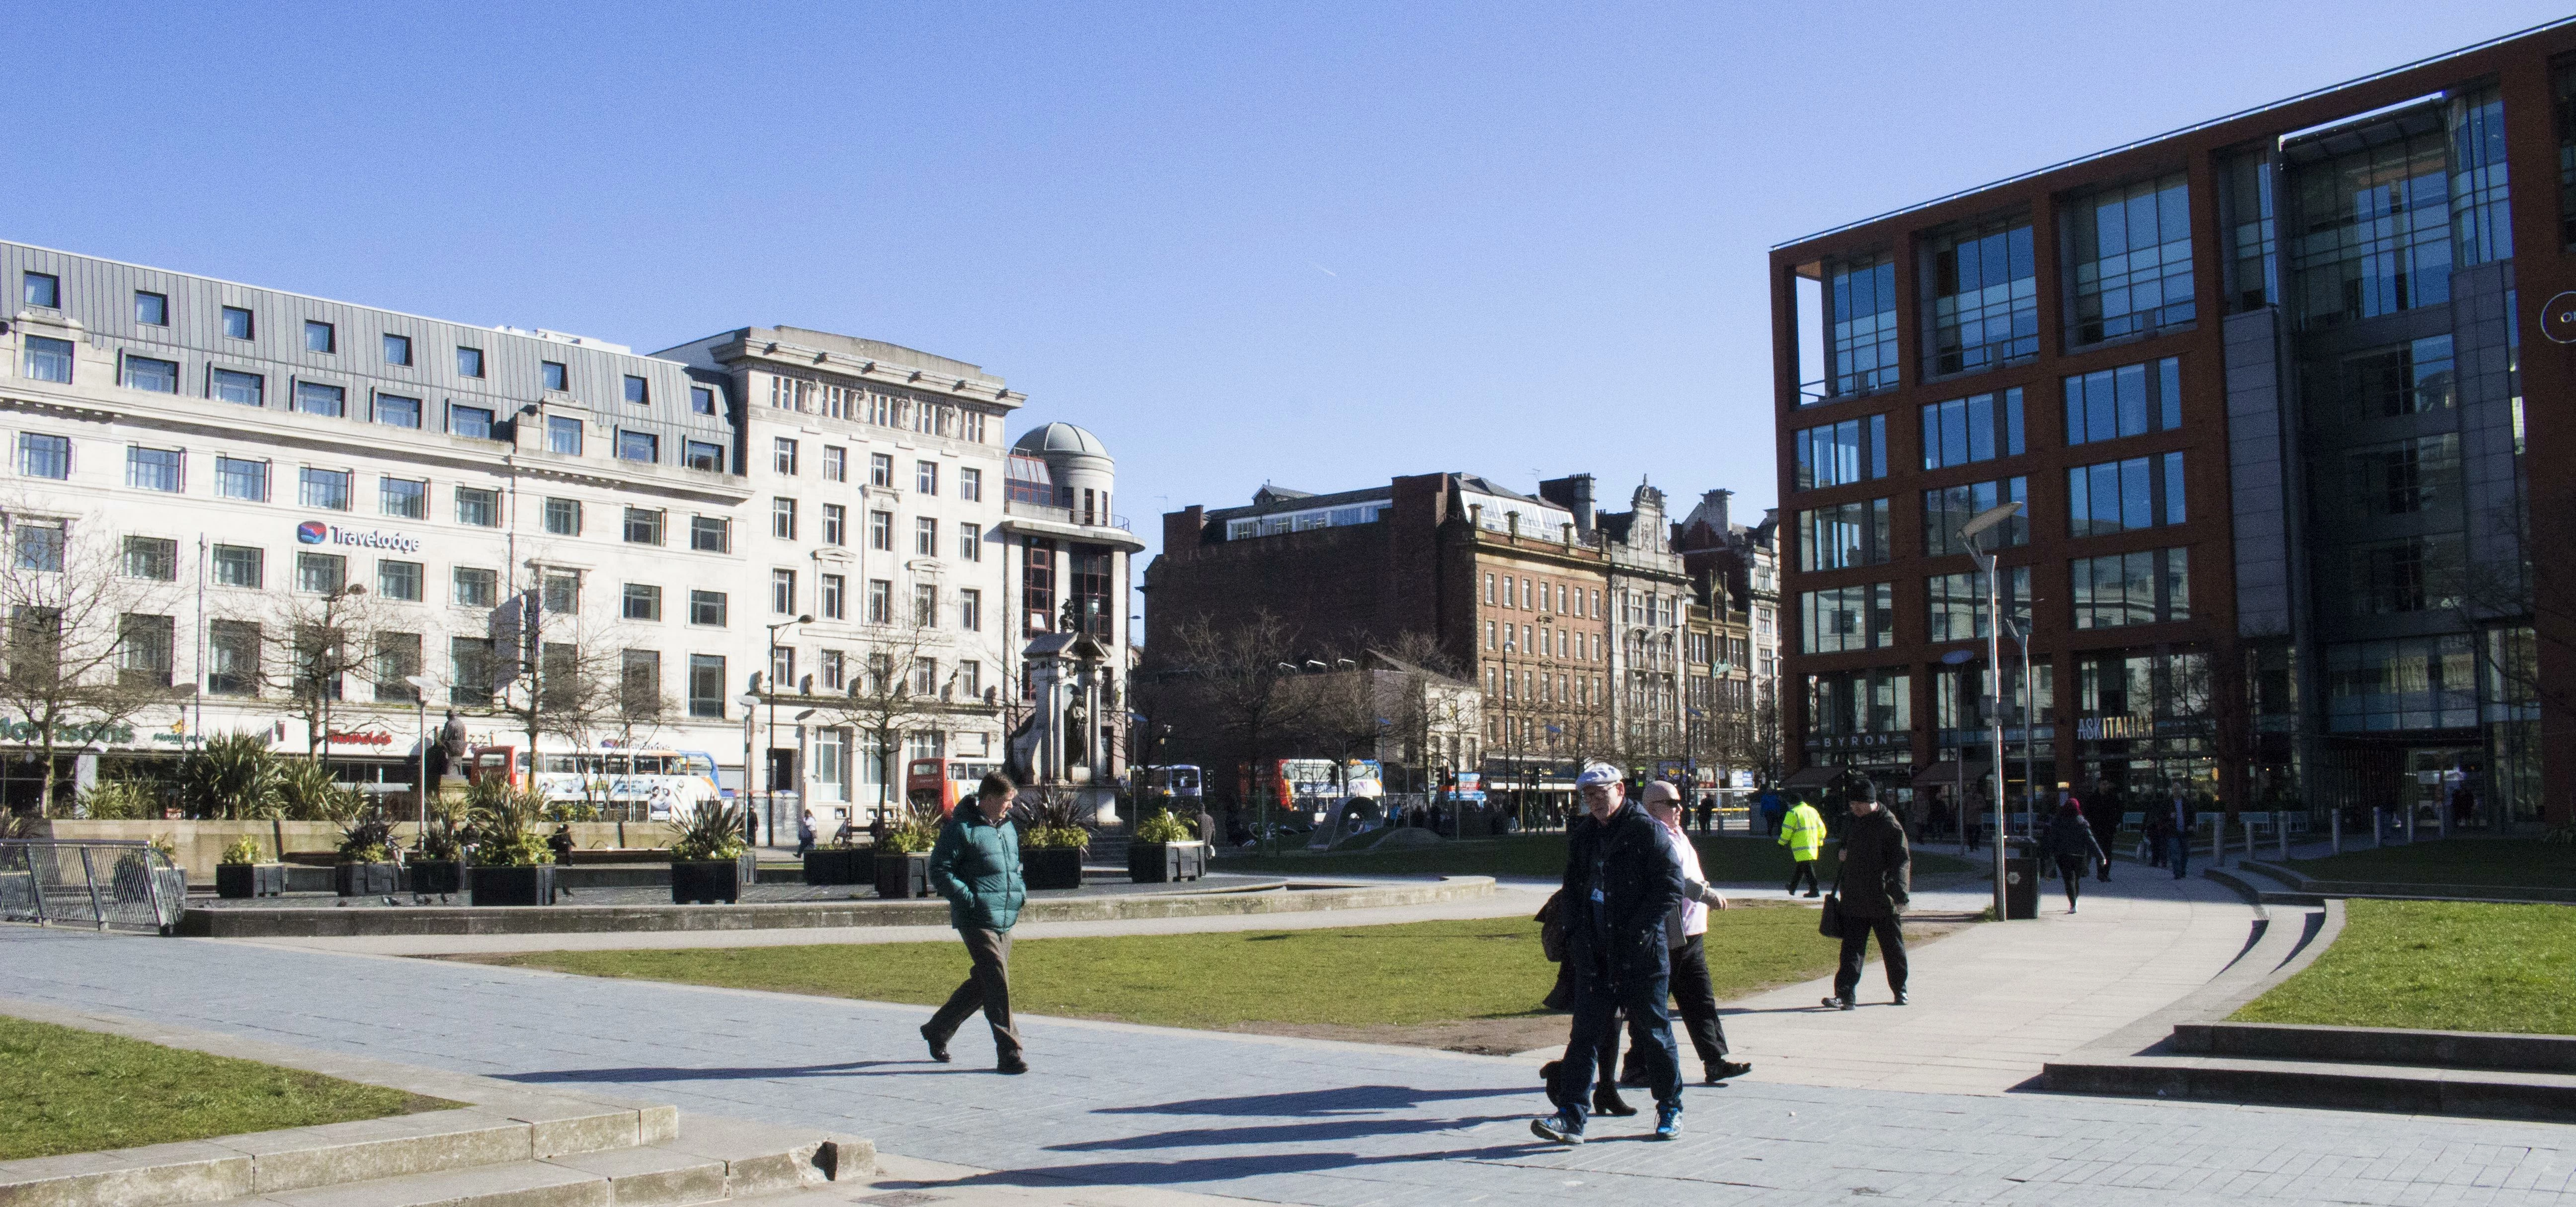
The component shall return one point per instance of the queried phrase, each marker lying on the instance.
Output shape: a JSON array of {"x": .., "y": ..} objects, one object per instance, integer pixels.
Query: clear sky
[{"x": 1317, "y": 244}]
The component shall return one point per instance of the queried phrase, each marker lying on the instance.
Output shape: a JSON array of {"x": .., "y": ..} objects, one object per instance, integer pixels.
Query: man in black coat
[
  {"x": 1621, "y": 877},
  {"x": 1876, "y": 879}
]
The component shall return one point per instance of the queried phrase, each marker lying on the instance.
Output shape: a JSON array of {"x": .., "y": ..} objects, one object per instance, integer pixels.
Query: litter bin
[{"x": 2021, "y": 882}]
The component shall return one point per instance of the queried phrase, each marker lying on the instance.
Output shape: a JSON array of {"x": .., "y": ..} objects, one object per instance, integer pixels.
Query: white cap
[{"x": 1597, "y": 773}]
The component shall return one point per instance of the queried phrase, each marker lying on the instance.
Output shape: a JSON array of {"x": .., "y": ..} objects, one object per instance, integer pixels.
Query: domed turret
[{"x": 1080, "y": 465}]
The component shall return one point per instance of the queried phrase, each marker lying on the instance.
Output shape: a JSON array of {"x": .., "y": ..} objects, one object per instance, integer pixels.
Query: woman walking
[{"x": 2071, "y": 841}]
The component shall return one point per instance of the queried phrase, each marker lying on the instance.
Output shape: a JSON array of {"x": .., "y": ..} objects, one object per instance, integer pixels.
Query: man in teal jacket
[{"x": 976, "y": 865}]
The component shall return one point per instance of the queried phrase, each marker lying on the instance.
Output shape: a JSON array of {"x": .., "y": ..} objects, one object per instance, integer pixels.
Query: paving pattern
[{"x": 1282, "y": 1120}]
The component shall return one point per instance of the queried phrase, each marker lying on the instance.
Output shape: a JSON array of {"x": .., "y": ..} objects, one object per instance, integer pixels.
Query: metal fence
[{"x": 102, "y": 885}]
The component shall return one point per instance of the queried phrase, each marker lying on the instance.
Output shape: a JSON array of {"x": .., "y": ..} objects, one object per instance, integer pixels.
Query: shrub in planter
[
  {"x": 366, "y": 867},
  {"x": 709, "y": 856},
  {"x": 1163, "y": 851},
  {"x": 903, "y": 860},
  {"x": 840, "y": 865},
  {"x": 1051, "y": 856},
  {"x": 241, "y": 874},
  {"x": 511, "y": 863},
  {"x": 437, "y": 863}
]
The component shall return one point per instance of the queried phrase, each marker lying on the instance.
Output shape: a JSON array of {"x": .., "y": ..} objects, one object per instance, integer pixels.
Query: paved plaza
[{"x": 1903, "y": 1104}]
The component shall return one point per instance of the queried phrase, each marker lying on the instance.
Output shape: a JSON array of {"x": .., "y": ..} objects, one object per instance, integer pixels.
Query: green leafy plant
[
  {"x": 367, "y": 840},
  {"x": 572, "y": 810},
  {"x": 713, "y": 832},
  {"x": 120, "y": 800},
  {"x": 1162, "y": 827},
  {"x": 2562, "y": 834},
  {"x": 233, "y": 777},
  {"x": 308, "y": 793},
  {"x": 167, "y": 844},
  {"x": 244, "y": 849},
  {"x": 916, "y": 833},
  {"x": 505, "y": 827},
  {"x": 439, "y": 841},
  {"x": 1053, "y": 819}
]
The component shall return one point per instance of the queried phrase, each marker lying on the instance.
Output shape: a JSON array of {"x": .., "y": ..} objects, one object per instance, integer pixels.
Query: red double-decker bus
[{"x": 943, "y": 782}]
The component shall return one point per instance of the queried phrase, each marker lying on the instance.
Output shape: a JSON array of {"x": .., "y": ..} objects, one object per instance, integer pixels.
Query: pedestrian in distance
[
  {"x": 976, "y": 866},
  {"x": 2180, "y": 820},
  {"x": 1686, "y": 933},
  {"x": 560, "y": 842},
  {"x": 2069, "y": 839},
  {"x": 1622, "y": 877},
  {"x": 2103, "y": 813},
  {"x": 1803, "y": 832},
  {"x": 1875, "y": 886},
  {"x": 804, "y": 833},
  {"x": 1772, "y": 808}
]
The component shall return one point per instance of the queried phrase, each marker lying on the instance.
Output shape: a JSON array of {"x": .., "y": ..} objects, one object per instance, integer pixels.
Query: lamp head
[{"x": 1983, "y": 520}]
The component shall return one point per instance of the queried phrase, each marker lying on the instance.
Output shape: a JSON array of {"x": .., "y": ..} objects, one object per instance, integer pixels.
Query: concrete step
[
  {"x": 2401, "y": 1089},
  {"x": 2377, "y": 1046}
]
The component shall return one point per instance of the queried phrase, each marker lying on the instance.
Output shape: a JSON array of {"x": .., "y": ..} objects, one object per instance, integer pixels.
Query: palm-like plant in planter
[
  {"x": 512, "y": 865},
  {"x": 710, "y": 860},
  {"x": 1052, "y": 839},
  {"x": 438, "y": 859},
  {"x": 241, "y": 873},
  {"x": 903, "y": 859},
  {"x": 366, "y": 867},
  {"x": 1163, "y": 851}
]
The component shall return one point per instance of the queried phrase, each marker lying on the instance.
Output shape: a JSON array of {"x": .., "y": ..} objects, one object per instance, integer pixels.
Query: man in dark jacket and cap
[
  {"x": 1622, "y": 877},
  {"x": 1876, "y": 879}
]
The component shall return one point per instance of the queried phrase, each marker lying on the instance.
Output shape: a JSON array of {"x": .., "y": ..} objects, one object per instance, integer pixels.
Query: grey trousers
[{"x": 987, "y": 986}]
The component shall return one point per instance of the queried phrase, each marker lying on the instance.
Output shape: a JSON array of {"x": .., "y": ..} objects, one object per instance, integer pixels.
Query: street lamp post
[
  {"x": 420, "y": 685},
  {"x": 1968, "y": 534},
  {"x": 2029, "y": 699},
  {"x": 769, "y": 794}
]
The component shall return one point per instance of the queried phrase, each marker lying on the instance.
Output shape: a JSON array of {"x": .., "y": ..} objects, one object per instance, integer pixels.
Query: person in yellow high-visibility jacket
[{"x": 1803, "y": 832}]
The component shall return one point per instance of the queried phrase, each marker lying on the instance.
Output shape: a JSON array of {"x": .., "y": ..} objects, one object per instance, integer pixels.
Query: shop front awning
[
  {"x": 1812, "y": 776},
  {"x": 1945, "y": 774}
]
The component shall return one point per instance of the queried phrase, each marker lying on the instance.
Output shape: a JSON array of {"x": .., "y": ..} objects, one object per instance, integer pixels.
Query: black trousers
[
  {"x": 2071, "y": 868},
  {"x": 1695, "y": 1000},
  {"x": 1891, "y": 951},
  {"x": 1805, "y": 869},
  {"x": 1595, "y": 1038}
]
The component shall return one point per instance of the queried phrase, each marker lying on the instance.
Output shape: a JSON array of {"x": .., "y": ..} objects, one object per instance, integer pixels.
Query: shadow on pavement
[
  {"x": 1281, "y": 1133},
  {"x": 672, "y": 1073},
  {"x": 1221, "y": 1169},
  {"x": 1341, "y": 1101}
]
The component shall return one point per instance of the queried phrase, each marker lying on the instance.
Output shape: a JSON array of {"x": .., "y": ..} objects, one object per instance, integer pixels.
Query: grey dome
[{"x": 1060, "y": 438}]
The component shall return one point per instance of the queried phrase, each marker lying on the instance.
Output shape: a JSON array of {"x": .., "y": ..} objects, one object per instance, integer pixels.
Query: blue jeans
[
  {"x": 1596, "y": 1030},
  {"x": 2181, "y": 853}
]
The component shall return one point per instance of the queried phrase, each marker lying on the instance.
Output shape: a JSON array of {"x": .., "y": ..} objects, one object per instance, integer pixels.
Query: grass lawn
[
  {"x": 74, "y": 1091},
  {"x": 1470, "y": 985},
  {"x": 2440, "y": 966},
  {"x": 1726, "y": 859},
  {"x": 2482, "y": 861}
]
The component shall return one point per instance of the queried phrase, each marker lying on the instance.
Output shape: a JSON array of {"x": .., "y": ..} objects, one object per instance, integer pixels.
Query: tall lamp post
[
  {"x": 768, "y": 793},
  {"x": 1968, "y": 534},
  {"x": 2029, "y": 698},
  {"x": 420, "y": 685}
]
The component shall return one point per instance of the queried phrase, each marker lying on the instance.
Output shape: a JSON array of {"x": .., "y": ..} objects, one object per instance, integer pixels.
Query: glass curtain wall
[{"x": 2131, "y": 261}]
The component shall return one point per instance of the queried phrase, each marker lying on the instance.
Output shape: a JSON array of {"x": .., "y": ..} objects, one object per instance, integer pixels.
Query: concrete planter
[
  {"x": 1051, "y": 867},
  {"x": 250, "y": 879},
  {"x": 706, "y": 881},
  {"x": 900, "y": 875},
  {"x": 1166, "y": 862},
  {"x": 366, "y": 879},
  {"x": 443, "y": 877},
  {"x": 840, "y": 865},
  {"x": 533, "y": 885}
]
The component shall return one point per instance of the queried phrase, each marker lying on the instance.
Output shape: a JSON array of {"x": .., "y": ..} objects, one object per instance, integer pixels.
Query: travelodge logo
[{"x": 315, "y": 532}]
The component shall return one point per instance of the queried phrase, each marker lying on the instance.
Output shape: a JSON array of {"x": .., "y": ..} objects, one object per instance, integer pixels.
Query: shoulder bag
[{"x": 1829, "y": 920}]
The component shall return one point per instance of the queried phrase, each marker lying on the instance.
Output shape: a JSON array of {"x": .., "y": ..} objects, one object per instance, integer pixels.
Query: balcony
[{"x": 1031, "y": 508}]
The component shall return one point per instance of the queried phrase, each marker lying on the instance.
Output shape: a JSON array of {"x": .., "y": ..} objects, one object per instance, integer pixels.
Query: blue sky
[{"x": 1317, "y": 244}]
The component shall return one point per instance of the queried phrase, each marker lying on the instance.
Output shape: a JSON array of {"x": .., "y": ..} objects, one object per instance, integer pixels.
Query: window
[
  {"x": 48, "y": 359},
  {"x": 834, "y": 666},
  {"x": 1985, "y": 298},
  {"x": 317, "y": 398},
  {"x": 1833, "y": 538},
  {"x": 232, "y": 658},
  {"x": 469, "y": 362},
  {"x": 239, "y": 479},
  {"x": 639, "y": 683},
  {"x": 1837, "y": 453},
  {"x": 240, "y": 566},
  {"x": 2406, "y": 476},
  {"x": 37, "y": 545},
  {"x": 152, "y": 469},
  {"x": 642, "y": 602},
  {"x": 970, "y": 610},
  {"x": 782, "y": 592},
  {"x": 710, "y": 534},
  {"x": 563, "y": 517},
  {"x": 325, "y": 488},
  {"x": 638, "y": 390},
  {"x": 563, "y": 435},
  {"x": 395, "y": 410},
  {"x": 2147, "y": 587},
  {"x": 2116, "y": 496},
  {"x": 400, "y": 580},
  {"x": 148, "y": 373},
  {"x": 470, "y": 669},
  {"x": 556, "y": 380},
  {"x": 880, "y": 601},
  {"x": 970, "y": 542},
  {"x": 2413, "y": 378},
  {"x": 2374, "y": 222},
  {"x": 881, "y": 530},
  {"x": 836, "y": 524},
  {"x": 396, "y": 655},
  {"x": 1977, "y": 428},
  {"x": 643, "y": 526},
  {"x": 925, "y": 477},
  {"x": 706, "y": 685},
  {"x": 1489, "y": 589},
  {"x": 703, "y": 454},
  {"x": 2132, "y": 260},
  {"x": 398, "y": 350},
  {"x": 152, "y": 557},
  {"x": 925, "y": 605},
  {"x": 1848, "y": 618},
  {"x": 478, "y": 506},
  {"x": 782, "y": 456},
  {"x": 707, "y": 608},
  {"x": 2408, "y": 683},
  {"x": 782, "y": 519},
  {"x": 475, "y": 422},
  {"x": 2127, "y": 401},
  {"x": 1958, "y": 603},
  {"x": 1849, "y": 703},
  {"x": 1861, "y": 300},
  {"x": 702, "y": 400},
  {"x": 42, "y": 456},
  {"x": 1946, "y": 510},
  {"x": 836, "y": 602},
  {"x": 559, "y": 592},
  {"x": 143, "y": 650},
  {"x": 925, "y": 682},
  {"x": 320, "y": 573},
  {"x": 639, "y": 446},
  {"x": 246, "y": 389},
  {"x": 970, "y": 485},
  {"x": 881, "y": 470},
  {"x": 2253, "y": 262},
  {"x": 476, "y": 588},
  {"x": 925, "y": 536},
  {"x": 836, "y": 463},
  {"x": 237, "y": 323},
  {"x": 320, "y": 337},
  {"x": 41, "y": 289},
  {"x": 403, "y": 497},
  {"x": 151, "y": 309},
  {"x": 2410, "y": 574}
]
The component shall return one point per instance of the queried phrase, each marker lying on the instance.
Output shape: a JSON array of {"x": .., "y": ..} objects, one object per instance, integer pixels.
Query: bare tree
[
  {"x": 901, "y": 686},
  {"x": 90, "y": 636},
  {"x": 313, "y": 645},
  {"x": 1243, "y": 691}
]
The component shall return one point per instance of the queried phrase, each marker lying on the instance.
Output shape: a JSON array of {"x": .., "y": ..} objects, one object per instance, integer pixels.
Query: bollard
[
  {"x": 2334, "y": 823},
  {"x": 2410, "y": 823},
  {"x": 2249, "y": 839},
  {"x": 2281, "y": 829}
]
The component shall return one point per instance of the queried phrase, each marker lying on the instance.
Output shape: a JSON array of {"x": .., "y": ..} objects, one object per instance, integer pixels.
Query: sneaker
[
  {"x": 1900, "y": 997},
  {"x": 1606, "y": 1101},
  {"x": 1721, "y": 1070},
  {"x": 1668, "y": 1122},
  {"x": 1557, "y": 1129},
  {"x": 1839, "y": 1003},
  {"x": 938, "y": 1047}
]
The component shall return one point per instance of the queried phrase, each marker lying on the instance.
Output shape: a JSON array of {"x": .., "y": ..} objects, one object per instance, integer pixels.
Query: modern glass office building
[{"x": 2269, "y": 388}]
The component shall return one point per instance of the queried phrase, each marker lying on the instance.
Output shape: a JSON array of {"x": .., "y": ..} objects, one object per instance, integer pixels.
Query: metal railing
[
  {"x": 101, "y": 885},
  {"x": 1062, "y": 515}
]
